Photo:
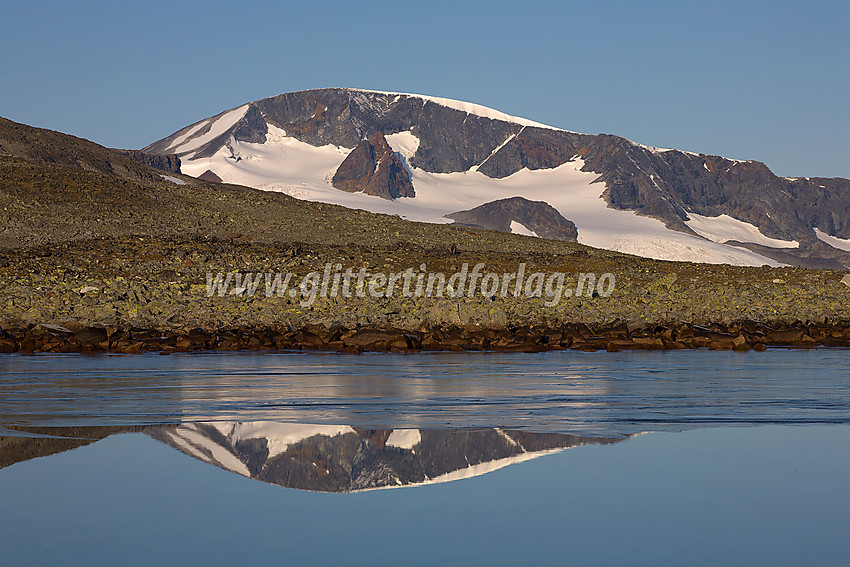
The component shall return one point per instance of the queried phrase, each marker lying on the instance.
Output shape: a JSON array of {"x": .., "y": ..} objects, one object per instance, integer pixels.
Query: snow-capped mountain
[
  {"x": 339, "y": 458},
  {"x": 447, "y": 157}
]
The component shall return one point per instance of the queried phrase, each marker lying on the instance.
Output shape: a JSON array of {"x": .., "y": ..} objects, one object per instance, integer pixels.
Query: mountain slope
[
  {"x": 56, "y": 188},
  {"x": 621, "y": 195},
  {"x": 38, "y": 145}
]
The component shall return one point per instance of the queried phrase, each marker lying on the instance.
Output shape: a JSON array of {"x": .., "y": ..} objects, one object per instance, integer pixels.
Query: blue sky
[{"x": 749, "y": 80}]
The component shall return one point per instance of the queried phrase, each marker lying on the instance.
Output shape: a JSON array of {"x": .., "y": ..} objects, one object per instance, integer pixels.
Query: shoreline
[
  {"x": 151, "y": 295},
  {"x": 738, "y": 336}
]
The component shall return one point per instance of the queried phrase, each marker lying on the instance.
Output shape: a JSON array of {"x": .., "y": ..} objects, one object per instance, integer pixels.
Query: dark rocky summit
[
  {"x": 373, "y": 168},
  {"x": 540, "y": 217},
  {"x": 351, "y": 460}
]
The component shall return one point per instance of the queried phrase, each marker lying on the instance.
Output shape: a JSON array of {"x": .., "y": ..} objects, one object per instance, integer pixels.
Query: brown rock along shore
[{"x": 739, "y": 336}]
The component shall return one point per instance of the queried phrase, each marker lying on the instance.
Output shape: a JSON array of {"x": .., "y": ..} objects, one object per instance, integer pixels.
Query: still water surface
[
  {"x": 499, "y": 459},
  {"x": 567, "y": 392}
]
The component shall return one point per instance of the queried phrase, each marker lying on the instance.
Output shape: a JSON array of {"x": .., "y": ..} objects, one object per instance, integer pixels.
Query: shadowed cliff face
[
  {"x": 169, "y": 163},
  {"x": 345, "y": 459},
  {"x": 533, "y": 148},
  {"x": 541, "y": 218},
  {"x": 373, "y": 168}
]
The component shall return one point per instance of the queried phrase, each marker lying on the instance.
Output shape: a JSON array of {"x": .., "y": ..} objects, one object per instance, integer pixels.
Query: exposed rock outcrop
[
  {"x": 532, "y": 148},
  {"x": 165, "y": 162},
  {"x": 540, "y": 217},
  {"x": 373, "y": 168},
  {"x": 252, "y": 128},
  {"x": 209, "y": 175}
]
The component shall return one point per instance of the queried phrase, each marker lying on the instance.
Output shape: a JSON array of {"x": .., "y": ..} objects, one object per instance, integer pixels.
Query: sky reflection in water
[{"x": 711, "y": 495}]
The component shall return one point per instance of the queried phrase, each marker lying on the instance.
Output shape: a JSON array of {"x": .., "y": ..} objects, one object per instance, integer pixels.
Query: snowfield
[
  {"x": 835, "y": 242},
  {"x": 279, "y": 436},
  {"x": 404, "y": 438},
  {"x": 301, "y": 170},
  {"x": 519, "y": 228},
  {"x": 725, "y": 228},
  {"x": 217, "y": 126},
  {"x": 175, "y": 180},
  {"x": 200, "y": 446}
]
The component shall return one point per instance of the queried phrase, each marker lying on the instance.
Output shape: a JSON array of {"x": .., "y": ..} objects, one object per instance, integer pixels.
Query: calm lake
[{"x": 560, "y": 458}]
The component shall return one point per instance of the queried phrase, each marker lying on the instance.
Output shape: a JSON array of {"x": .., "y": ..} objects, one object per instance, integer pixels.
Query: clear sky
[{"x": 750, "y": 80}]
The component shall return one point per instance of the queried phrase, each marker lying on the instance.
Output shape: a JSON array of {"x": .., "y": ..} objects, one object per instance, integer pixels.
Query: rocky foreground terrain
[{"x": 99, "y": 253}]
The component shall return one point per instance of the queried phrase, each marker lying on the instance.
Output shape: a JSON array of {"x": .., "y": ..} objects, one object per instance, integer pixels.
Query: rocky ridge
[{"x": 168, "y": 162}]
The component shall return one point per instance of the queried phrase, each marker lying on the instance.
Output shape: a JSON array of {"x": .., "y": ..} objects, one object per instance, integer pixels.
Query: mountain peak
[
  {"x": 458, "y": 156},
  {"x": 462, "y": 106}
]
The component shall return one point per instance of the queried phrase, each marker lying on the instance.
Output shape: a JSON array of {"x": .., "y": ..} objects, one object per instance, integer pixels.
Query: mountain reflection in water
[
  {"x": 339, "y": 458},
  {"x": 323, "y": 458},
  {"x": 746, "y": 463}
]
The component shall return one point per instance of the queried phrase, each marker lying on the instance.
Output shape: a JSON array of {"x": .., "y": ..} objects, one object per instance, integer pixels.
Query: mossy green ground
[{"x": 162, "y": 283}]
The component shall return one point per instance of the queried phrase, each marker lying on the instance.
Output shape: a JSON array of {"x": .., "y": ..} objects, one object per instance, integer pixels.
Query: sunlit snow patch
[
  {"x": 834, "y": 241},
  {"x": 725, "y": 228},
  {"x": 519, "y": 228},
  {"x": 279, "y": 436},
  {"x": 175, "y": 180},
  {"x": 404, "y": 438},
  {"x": 217, "y": 126},
  {"x": 199, "y": 445},
  {"x": 301, "y": 170}
]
